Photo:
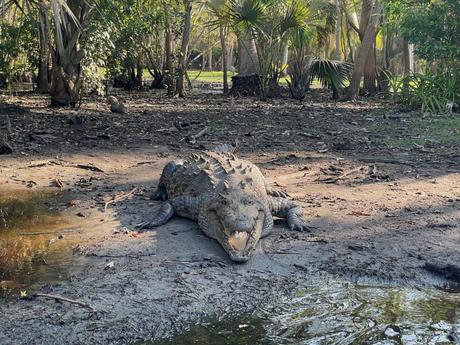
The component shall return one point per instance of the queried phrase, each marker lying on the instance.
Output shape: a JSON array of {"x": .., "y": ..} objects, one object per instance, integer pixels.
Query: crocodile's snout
[
  {"x": 238, "y": 240},
  {"x": 239, "y": 235}
]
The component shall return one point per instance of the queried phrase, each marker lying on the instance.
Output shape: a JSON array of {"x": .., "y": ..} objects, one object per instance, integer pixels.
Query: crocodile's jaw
[{"x": 239, "y": 245}]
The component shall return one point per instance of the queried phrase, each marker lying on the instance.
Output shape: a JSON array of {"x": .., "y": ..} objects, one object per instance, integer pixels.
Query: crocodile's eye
[
  {"x": 224, "y": 202},
  {"x": 248, "y": 202}
]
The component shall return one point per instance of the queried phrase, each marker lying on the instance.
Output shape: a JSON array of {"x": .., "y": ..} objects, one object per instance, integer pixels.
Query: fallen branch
[
  {"x": 334, "y": 179},
  {"x": 65, "y": 299},
  {"x": 88, "y": 167},
  {"x": 119, "y": 198}
]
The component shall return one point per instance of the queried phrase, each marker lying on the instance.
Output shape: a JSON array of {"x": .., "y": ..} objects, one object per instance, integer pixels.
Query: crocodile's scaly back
[{"x": 212, "y": 172}]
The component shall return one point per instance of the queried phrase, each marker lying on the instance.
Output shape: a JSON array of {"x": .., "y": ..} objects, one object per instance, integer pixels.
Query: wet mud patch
[
  {"x": 337, "y": 313},
  {"x": 32, "y": 232}
]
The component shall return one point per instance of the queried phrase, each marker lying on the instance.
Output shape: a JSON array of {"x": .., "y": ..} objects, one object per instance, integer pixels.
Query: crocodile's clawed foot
[
  {"x": 144, "y": 226},
  {"x": 298, "y": 225},
  {"x": 159, "y": 194},
  {"x": 280, "y": 194}
]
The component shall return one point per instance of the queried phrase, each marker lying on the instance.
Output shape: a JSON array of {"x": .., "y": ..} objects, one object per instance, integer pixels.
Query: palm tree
[
  {"x": 69, "y": 17},
  {"x": 268, "y": 24}
]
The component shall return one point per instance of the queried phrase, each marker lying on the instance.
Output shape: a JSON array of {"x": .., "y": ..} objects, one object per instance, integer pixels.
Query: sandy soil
[{"x": 378, "y": 214}]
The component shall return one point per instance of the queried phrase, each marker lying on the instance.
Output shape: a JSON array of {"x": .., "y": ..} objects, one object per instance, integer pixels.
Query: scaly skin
[{"x": 227, "y": 196}]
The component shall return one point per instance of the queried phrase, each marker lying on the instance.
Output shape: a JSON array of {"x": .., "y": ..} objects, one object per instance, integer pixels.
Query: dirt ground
[{"x": 382, "y": 198}]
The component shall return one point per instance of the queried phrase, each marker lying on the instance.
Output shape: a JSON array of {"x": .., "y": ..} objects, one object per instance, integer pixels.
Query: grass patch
[
  {"x": 208, "y": 76},
  {"x": 425, "y": 131}
]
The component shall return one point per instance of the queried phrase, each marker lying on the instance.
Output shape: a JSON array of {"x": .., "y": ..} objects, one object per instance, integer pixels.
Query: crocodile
[{"x": 228, "y": 197}]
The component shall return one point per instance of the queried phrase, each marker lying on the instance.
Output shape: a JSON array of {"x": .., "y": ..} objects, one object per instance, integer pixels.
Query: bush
[{"x": 431, "y": 92}]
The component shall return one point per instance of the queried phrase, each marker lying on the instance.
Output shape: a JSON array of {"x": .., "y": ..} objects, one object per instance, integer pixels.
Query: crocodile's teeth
[{"x": 238, "y": 240}]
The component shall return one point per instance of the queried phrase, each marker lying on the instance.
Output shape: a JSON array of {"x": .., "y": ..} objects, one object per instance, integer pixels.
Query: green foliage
[
  {"x": 333, "y": 74},
  {"x": 434, "y": 27},
  {"x": 132, "y": 36},
  {"x": 18, "y": 49},
  {"x": 431, "y": 92}
]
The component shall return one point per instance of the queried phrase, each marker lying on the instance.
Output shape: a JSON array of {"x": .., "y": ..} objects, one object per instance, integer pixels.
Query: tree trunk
[
  {"x": 223, "y": 43},
  {"x": 66, "y": 82},
  {"x": 247, "y": 56},
  {"x": 247, "y": 81},
  {"x": 366, "y": 46},
  {"x": 369, "y": 68},
  {"x": 44, "y": 55},
  {"x": 169, "y": 67},
  {"x": 370, "y": 71},
  {"x": 184, "y": 49},
  {"x": 139, "y": 72}
]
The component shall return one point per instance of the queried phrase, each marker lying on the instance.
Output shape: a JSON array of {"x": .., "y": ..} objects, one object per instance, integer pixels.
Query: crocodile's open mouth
[{"x": 240, "y": 244}]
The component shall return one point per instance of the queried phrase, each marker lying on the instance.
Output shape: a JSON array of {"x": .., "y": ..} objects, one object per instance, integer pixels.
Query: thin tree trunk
[
  {"x": 406, "y": 64},
  {"x": 203, "y": 61},
  {"x": 210, "y": 58},
  {"x": 284, "y": 60},
  {"x": 169, "y": 67},
  {"x": 338, "y": 31},
  {"x": 184, "y": 49},
  {"x": 366, "y": 46},
  {"x": 230, "y": 57},
  {"x": 223, "y": 44},
  {"x": 44, "y": 55}
]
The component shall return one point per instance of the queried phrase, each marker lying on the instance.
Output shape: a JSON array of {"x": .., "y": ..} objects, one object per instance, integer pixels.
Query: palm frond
[
  {"x": 331, "y": 73},
  {"x": 248, "y": 14},
  {"x": 295, "y": 17}
]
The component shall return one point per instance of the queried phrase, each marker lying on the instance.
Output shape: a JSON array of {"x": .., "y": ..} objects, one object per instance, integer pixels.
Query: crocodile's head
[{"x": 237, "y": 221}]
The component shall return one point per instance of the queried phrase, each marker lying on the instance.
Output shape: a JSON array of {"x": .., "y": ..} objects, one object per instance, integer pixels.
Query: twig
[
  {"x": 192, "y": 138},
  {"x": 65, "y": 299},
  {"x": 386, "y": 161},
  {"x": 119, "y": 198},
  {"x": 122, "y": 255}
]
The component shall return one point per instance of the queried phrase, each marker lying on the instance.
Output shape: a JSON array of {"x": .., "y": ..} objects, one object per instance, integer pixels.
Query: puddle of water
[
  {"x": 340, "y": 314},
  {"x": 30, "y": 248},
  {"x": 241, "y": 330}
]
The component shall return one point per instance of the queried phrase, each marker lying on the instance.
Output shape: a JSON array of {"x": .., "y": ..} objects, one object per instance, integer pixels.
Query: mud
[{"x": 378, "y": 214}]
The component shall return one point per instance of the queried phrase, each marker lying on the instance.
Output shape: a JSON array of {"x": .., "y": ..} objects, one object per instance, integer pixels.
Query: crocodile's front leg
[
  {"x": 285, "y": 208},
  {"x": 184, "y": 206}
]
